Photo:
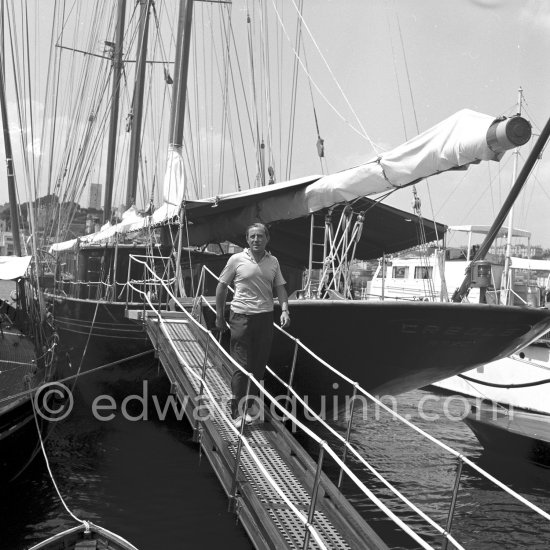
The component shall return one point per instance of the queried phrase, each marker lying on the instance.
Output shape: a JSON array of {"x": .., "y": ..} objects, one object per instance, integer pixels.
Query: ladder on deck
[
  {"x": 267, "y": 475},
  {"x": 317, "y": 251}
]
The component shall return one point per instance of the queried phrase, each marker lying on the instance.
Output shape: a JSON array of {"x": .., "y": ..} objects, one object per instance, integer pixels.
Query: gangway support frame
[{"x": 267, "y": 519}]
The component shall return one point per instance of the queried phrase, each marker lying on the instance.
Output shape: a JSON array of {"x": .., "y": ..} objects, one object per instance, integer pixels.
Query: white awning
[
  {"x": 484, "y": 229},
  {"x": 13, "y": 267},
  {"x": 529, "y": 263},
  {"x": 65, "y": 245}
]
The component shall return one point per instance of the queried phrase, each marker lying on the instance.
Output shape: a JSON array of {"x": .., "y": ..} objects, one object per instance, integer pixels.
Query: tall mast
[
  {"x": 506, "y": 282},
  {"x": 9, "y": 155},
  {"x": 181, "y": 70},
  {"x": 177, "y": 114},
  {"x": 115, "y": 95},
  {"x": 137, "y": 104}
]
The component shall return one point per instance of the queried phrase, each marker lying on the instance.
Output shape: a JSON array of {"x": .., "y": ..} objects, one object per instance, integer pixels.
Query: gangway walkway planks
[{"x": 192, "y": 363}]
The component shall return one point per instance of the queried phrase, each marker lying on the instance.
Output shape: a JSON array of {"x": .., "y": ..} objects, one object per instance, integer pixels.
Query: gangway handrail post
[
  {"x": 449, "y": 523},
  {"x": 233, "y": 495},
  {"x": 348, "y": 434},
  {"x": 314, "y": 494},
  {"x": 204, "y": 365},
  {"x": 198, "y": 297},
  {"x": 144, "y": 291},
  {"x": 292, "y": 370},
  {"x": 198, "y": 431},
  {"x": 159, "y": 290},
  {"x": 128, "y": 281}
]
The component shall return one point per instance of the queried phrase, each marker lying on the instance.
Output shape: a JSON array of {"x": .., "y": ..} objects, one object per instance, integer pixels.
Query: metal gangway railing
[{"x": 339, "y": 456}]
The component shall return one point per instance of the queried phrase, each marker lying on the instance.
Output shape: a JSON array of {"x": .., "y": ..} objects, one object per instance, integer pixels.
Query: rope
[
  {"x": 50, "y": 470},
  {"x": 507, "y": 386},
  {"x": 86, "y": 346},
  {"x": 74, "y": 376},
  {"x": 362, "y": 132},
  {"x": 361, "y": 459}
]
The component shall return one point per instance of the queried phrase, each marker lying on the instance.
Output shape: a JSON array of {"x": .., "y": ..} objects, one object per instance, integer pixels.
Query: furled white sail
[
  {"x": 464, "y": 138},
  {"x": 457, "y": 141},
  {"x": 132, "y": 221}
]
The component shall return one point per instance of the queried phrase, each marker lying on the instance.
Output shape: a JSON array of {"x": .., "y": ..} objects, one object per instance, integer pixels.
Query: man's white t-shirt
[{"x": 253, "y": 282}]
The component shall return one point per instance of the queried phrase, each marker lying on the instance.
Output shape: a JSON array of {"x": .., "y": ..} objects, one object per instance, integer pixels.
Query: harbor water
[{"x": 143, "y": 477}]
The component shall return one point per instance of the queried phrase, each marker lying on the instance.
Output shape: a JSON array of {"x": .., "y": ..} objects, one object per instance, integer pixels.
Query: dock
[{"x": 279, "y": 493}]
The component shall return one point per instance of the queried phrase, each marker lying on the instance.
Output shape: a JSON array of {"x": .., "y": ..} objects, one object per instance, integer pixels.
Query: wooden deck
[{"x": 268, "y": 519}]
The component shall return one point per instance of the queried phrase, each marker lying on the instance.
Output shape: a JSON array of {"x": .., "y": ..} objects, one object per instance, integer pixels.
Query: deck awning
[
  {"x": 385, "y": 230},
  {"x": 13, "y": 267}
]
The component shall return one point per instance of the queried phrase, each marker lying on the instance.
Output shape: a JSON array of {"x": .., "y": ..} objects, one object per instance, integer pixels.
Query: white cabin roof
[{"x": 484, "y": 229}]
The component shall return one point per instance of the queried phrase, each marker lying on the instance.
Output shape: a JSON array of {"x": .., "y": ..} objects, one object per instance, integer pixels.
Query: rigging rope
[
  {"x": 362, "y": 132},
  {"x": 294, "y": 92}
]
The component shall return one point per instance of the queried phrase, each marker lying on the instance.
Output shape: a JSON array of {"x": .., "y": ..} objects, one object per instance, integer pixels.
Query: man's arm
[
  {"x": 221, "y": 295},
  {"x": 283, "y": 300}
]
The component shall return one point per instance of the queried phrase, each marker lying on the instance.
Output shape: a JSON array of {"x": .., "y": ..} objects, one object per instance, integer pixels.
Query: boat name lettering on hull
[{"x": 459, "y": 331}]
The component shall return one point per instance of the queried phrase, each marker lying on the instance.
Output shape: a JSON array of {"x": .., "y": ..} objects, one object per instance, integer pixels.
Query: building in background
[{"x": 95, "y": 195}]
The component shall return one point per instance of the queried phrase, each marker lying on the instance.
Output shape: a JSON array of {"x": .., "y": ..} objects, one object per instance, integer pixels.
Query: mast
[
  {"x": 506, "y": 275},
  {"x": 512, "y": 196},
  {"x": 181, "y": 70},
  {"x": 9, "y": 156},
  {"x": 113, "y": 126},
  {"x": 137, "y": 105},
  {"x": 177, "y": 115}
]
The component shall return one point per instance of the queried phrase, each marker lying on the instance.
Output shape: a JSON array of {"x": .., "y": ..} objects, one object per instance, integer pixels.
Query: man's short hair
[{"x": 258, "y": 225}]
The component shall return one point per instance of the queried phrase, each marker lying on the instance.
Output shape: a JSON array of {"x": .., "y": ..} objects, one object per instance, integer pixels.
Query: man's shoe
[{"x": 238, "y": 421}]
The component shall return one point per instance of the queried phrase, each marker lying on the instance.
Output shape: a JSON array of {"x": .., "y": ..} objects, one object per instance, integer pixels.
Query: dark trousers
[{"x": 251, "y": 338}]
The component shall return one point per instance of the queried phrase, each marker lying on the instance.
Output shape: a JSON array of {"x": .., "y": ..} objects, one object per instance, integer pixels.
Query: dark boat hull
[
  {"x": 386, "y": 347},
  {"x": 19, "y": 442},
  {"x": 20, "y": 371},
  {"x": 513, "y": 435},
  {"x": 95, "y": 333},
  {"x": 393, "y": 347}
]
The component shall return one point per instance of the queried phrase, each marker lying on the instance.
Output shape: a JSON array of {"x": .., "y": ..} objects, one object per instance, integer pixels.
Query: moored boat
[
  {"x": 24, "y": 367},
  {"x": 317, "y": 222},
  {"x": 512, "y": 434},
  {"x": 85, "y": 536}
]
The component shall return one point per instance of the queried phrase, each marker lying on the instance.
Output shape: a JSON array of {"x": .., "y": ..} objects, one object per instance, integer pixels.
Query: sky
[{"x": 381, "y": 71}]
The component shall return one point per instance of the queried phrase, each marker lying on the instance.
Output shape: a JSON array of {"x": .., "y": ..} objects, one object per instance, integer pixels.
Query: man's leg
[
  {"x": 240, "y": 351},
  {"x": 260, "y": 347}
]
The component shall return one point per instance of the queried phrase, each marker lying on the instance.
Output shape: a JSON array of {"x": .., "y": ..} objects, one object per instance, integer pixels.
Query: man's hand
[
  {"x": 285, "y": 319},
  {"x": 221, "y": 323}
]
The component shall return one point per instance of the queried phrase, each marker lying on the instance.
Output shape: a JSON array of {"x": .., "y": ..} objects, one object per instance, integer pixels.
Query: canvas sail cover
[
  {"x": 460, "y": 140},
  {"x": 132, "y": 221},
  {"x": 13, "y": 267}
]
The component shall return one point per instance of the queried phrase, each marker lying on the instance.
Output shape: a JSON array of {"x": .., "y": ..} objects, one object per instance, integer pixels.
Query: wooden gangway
[{"x": 281, "y": 496}]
